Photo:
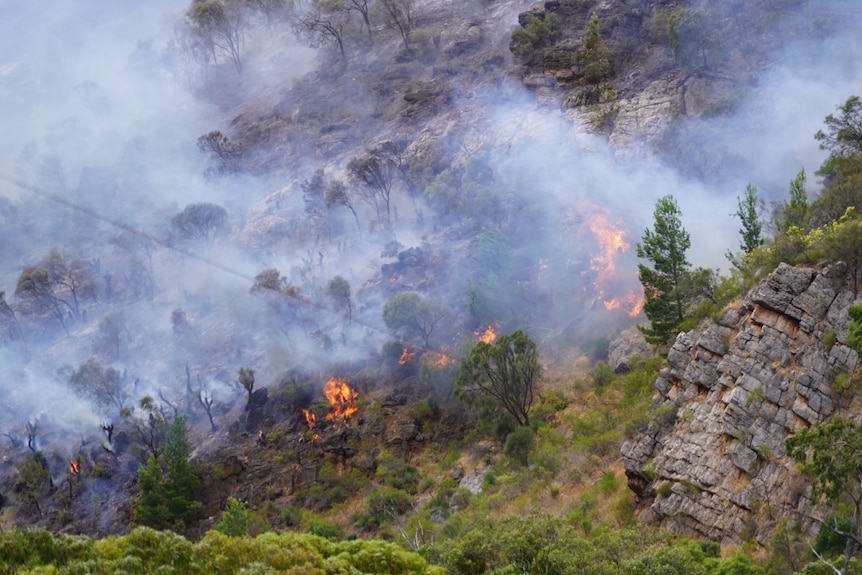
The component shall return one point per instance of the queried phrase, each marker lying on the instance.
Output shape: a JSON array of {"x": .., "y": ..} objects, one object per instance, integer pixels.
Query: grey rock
[{"x": 740, "y": 386}]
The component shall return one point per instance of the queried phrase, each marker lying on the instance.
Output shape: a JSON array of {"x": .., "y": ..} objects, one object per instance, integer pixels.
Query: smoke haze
[{"x": 101, "y": 110}]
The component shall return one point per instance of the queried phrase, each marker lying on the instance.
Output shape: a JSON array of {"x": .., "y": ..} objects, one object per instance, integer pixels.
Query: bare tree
[
  {"x": 361, "y": 7},
  {"x": 321, "y": 28},
  {"x": 399, "y": 15},
  {"x": 336, "y": 195},
  {"x": 9, "y": 328},
  {"x": 109, "y": 337},
  {"x": 374, "y": 176},
  {"x": 227, "y": 153},
  {"x": 140, "y": 252}
]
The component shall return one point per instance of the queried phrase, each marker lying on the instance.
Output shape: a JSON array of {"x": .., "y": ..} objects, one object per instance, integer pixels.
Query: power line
[{"x": 125, "y": 227}]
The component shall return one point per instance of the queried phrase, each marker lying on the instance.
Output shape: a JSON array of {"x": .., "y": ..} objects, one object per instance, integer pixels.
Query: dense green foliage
[
  {"x": 507, "y": 370},
  {"x": 538, "y": 33},
  {"x": 664, "y": 246},
  {"x": 751, "y": 232},
  {"x": 831, "y": 455},
  {"x": 168, "y": 499},
  {"x": 146, "y": 551}
]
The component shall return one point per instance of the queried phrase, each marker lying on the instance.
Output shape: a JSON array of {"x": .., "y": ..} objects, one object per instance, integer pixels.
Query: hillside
[{"x": 233, "y": 236}]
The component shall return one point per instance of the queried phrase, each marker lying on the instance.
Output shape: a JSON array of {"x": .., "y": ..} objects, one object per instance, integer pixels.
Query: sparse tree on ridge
[
  {"x": 338, "y": 290},
  {"x": 664, "y": 247},
  {"x": 399, "y": 15},
  {"x": 336, "y": 195},
  {"x": 321, "y": 28},
  {"x": 843, "y": 135},
  {"x": 374, "y": 176},
  {"x": 751, "y": 232}
]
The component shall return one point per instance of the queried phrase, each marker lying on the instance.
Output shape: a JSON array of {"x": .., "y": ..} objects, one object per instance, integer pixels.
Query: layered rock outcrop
[{"x": 712, "y": 463}]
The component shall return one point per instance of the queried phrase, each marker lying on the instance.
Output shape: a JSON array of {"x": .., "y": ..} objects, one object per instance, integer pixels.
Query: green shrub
[
  {"x": 518, "y": 445},
  {"x": 540, "y": 32},
  {"x": 326, "y": 528}
]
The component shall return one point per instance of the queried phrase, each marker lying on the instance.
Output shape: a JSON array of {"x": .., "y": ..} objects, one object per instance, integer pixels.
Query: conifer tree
[{"x": 664, "y": 246}]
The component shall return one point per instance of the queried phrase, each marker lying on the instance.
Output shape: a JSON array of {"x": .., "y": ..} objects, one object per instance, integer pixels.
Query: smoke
[{"x": 103, "y": 108}]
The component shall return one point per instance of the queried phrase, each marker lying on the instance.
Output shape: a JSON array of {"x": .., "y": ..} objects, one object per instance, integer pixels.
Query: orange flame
[
  {"x": 489, "y": 337},
  {"x": 310, "y": 419},
  {"x": 611, "y": 242},
  {"x": 437, "y": 359},
  {"x": 342, "y": 399},
  {"x": 405, "y": 356},
  {"x": 74, "y": 467}
]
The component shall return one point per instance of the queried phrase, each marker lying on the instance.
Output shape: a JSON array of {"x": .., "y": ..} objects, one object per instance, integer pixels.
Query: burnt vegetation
[{"x": 372, "y": 318}]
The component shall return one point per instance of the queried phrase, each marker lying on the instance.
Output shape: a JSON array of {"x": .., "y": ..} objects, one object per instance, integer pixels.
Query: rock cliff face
[{"x": 712, "y": 463}]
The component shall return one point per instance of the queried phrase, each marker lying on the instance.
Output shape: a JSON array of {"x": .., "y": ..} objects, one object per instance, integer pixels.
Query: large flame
[
  {"x": 342, "y": 399},
  {"x": 489, "y": 336},
  {"x": 611, "y": 240}
]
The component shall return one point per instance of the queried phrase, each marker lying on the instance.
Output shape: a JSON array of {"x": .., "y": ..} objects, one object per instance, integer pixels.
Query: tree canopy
[
  {"x": 665, "y": 246},
  {"x": 507, "y": 370}
]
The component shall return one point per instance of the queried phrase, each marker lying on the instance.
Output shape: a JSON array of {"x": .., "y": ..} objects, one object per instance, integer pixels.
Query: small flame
[
  {"x": 489, "y": 337},
  {"x": 342, "y": 399},
  {"x": 406, "y": 356},
  {"x": 261, "y": 436},
  {"x": 74, "y": 467},
  {"x": 634, "y": 303},
  {"x": 310, "y": 419},
  {"x": 437, "y": 359}
]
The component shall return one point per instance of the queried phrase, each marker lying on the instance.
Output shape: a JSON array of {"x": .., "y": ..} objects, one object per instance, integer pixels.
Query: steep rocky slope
[{"x": 712, "y": 463}]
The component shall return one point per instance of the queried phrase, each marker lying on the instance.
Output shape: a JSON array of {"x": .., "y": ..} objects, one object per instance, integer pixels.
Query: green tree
[
  {"x": 831, "y": 455},
  {"x": 842, "y": 240},
  {"x": 593, "y": 56},
  {"x": 536, "y": 32},
  {"x": 168, "y": 499},
  {"x": 854, "y": 328},
  {"x": 843, "y": 135},
  {"x": 338, "y": 290},
  {"x": 507, "y": 370},
  {"x": 182, "y": 481},
  {"x": 410, "y": 316},
  {"x": 234, "y": 521},
  {"x": 794, "y": 212},
  {"x": 664, "y": 246},
  {"x": 751, "y": 231},
  {"x": 150, "y": 508}
]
